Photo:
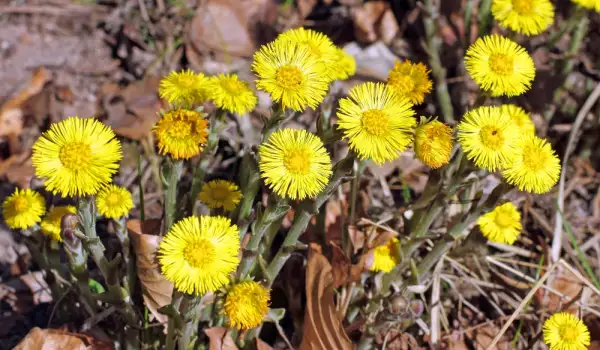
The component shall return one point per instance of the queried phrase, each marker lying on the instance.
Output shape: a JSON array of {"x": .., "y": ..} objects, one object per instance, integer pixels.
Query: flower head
[
  {"x": 501, "y": 225},
  {"x": 384, "y": 257},
  {"x": 184, "y": 88},
  {"x": 231, "y": 94},
  {"x": 319, "y": 46},
  {"x": 489, "y": 137},
  {"x": 199, "y": 253},
  {"x": 376, "y": 121},
  {"x": 520, "y": 117},
  {"x": 291, "y": 74},
  {"x": 220, "y": 194},
  {"x": 433, "y": 143},
  {"x": 500, "y": 65},
  {"x": 345, "y": 65},
  {"x": 181, "y": 133},
  {"x": 589, "y": 4},
  {"x": 563, "y": 331},
  {"x": 536, "y": 168},
  {"x": 294, "y": 164},
  {"x": 76, "y": 156},
  {"x": 23, "y": 209},
  {"x": 246, "y": 304},
  {"x": 529, "y": 17},
  {"x": 51, "y": 223},
  {"x": 410, "y": 80},
  {"x": 114, "y": 202}
]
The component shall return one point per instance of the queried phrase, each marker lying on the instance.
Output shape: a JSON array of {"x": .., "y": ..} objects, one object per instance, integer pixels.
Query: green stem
[
  {"x": 171, "y": 325},
  {"x": 130, "y": 271},
  {"x": 171, "y": 173},
  {"x": 485, "y": 17}
]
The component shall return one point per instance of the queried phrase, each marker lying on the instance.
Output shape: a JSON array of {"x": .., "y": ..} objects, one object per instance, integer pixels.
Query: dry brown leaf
[
  {"x": 50, "y": 339},
  {"x": 18, "y": 169},
  {"x": 566, "y": 283},
  {"x": 481, "y": 338},
  {"x": 374, "y": 21},
  {"x": 157, "y": 290},
  {"x": 38, "y": 286},
  {"x": 261, "y": 345},
  {"x": 343, "y": 270},
  {"x": 322, "y": 326},
  {"x": 398, "y": 341},
  {"x": 220, "y": 339}
]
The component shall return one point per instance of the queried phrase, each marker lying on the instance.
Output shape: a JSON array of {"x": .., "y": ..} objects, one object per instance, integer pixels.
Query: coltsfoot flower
[
  {"x": 500, "y": 66},
  {"x": 489, "y": 138},
  {"x": 519, "y": 117},
  {"x": 345, "y": 65},
  {"x": 220, "y": 194},
  {"x": 199, "y": 253},
  {"x": 246, "y": 304},
  {"x": 181, "y": 133},
  {"x": 23, "y": 209},
  {"x": 294, "y": 164},
  {"x": 114, "y": 202},
  {"x": 563, "y": 331},
  {"x": 589, "y": 4},
  {"x": 410, "y": 80},
  {"x": 433, "y": 143},
  {"x": 536, "y": 168},
  {"x": 76, "y": 157},
  {"x": 51, "y": 223},
  {"x": 184, "y": 88},
  {"x": 376, "y": 121},
  {"x": 384, "y": 257},
  {"x": 528, "y": 17},
  {"x": 501, "y": 225},
  {"x": 230, "y": 93}
]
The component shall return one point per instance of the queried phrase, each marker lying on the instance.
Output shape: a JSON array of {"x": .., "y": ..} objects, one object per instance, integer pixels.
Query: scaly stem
[
  {"x": 171, "y": 173},
  {"x": 130, "y": 275},
  {"x": 171, "y": 326}
]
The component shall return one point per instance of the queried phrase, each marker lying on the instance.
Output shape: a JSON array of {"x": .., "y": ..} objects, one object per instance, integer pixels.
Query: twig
[
  {"x": 435, "y": 309},
  {"x": 558, "y": 226}
]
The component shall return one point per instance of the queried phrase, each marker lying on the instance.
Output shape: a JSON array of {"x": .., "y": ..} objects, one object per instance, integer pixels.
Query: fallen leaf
[
  {"x": 38, "y": 286},
  {"x": 261, "y": 345},
  {"x": 566, "y": 283},
  {"x": 50, "y": 339},
  {"x": 374, "y": 21},
  {"x": 398, "y": 341},
  {"x": 157, "y": 290},
  {"x": 18, "y": 169},
  {"x": 343, "y": 270},
  {"x": 220, "y": 339},
  {"x": 481, "y": 338},
  {"x": 374, "y": 61},
  {"x": 322, "y": 326}
]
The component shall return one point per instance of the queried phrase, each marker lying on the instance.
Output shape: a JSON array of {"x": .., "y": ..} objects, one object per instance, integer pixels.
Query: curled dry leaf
[
  {"x": 375, "y": 21},
  {"x": 344, "y": 271},
  {"x": 43, "y": 339},
  {"x": 220, "y": 339},
  {"x": 156, "y": 289},
  {"x": 564, "y": 282},
  {"x": 322, "y": 326}
]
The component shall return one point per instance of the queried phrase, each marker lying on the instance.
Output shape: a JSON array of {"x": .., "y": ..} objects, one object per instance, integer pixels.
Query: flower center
[
  {"x": 502, "y": 219},
  {"x": 180, "y": 130},
  {"x": 403, "y": 84},
  {"x": 21, "y": 204},
  {"x": 289, "y": 77},
  {"x": 375, "y": 122},
  {"x": 75, "y": 155},
  {"x": 113, "y": 199},
  {"x": 220, "y": 193},
  {"x": 232, "y": 86},
  {"x": 501, "y": 64},
  {"x": 297, "y": 161},
  {"x": 491, "y": 137},
  {"x": 523, "y": 7},
  {"x": 568, "y": 333},
  {"x": 533, "y": 159},
  {"x": 200, "y": 253}
]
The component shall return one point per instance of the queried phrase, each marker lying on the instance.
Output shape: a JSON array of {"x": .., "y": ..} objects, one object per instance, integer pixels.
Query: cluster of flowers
[{"x": 78, "y": 157}]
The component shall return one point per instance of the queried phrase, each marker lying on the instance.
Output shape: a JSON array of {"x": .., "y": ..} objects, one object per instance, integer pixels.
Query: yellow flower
[
  {"x": 410, "y": 80},
  {"x": 294, "y": 164},
  {"x": 199, "y": 253},
  {"x": 500, "y": 65},
  {"x": 520, "y": 117},
  {"x": 52, "y": 221},
  {"x": 76, "y": 156},
  {"x": 246, "y": 304},
  {"x": 231, "y": 94},
  {"x": 114, "y": 202},
  {"x": 529, "y": 17},
  {"x": 184, "y": 88},
  {"x": 589, "y": 4},
  {"x": 318, "y": 45},
  {"x": 501, "y": 225},
  {"x": 181, "y": 133},
  {"x": 291, "y": 74},
  {"x": 23, "y": 209},
  {"x": 384, "y": 257},
  {"x": 489, "y": 137},
  {"x": 433, "y": 143},
  {"x": 376, "y": 121},
  {"x": 563, "y": 331},
  {"x": 536, "y": 168},
  {"x": 220, "y": 194},
  {"x": 345, "y": 65}
]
